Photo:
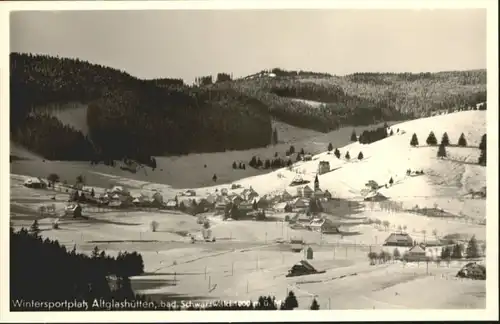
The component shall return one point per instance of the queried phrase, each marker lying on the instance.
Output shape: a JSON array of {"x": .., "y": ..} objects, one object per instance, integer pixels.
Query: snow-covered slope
[{"x": 444, "y": 180}]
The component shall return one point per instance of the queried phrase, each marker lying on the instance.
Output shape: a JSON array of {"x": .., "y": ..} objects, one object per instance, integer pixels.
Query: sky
[{"x": 185, "y": 44}]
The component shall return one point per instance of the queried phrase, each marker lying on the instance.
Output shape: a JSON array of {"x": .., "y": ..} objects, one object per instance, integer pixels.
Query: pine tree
[
  {"x": 472, "y": 250},
  {"x": 482, "y": 158},
  {"x": 337, "y": 153},
  {"x": 254, "y": 205},
  {"x": 445, "y": 253},
  {"x": 354, "y": 137},
  {"x": 275, "y": 136},
  {"x": 34, "y": 228},
  {"x": 330, "y": 147},
  {"x": 461, "y": 141},
  {"x": 302, "y": 151},
  {"x": 414, "y": 140},
  {"x": 53, "y": 178},
  {"x": 391, "y": 181},
  {"x": 291, "y": 301},
  {"x": 253, "y": 162},
  {"x": 431, "y": 139},
  {"x": 445, "y": 141},
  {"x": 396, "y": 254},
  {"x": 482, "y": 144},
  {"x": 391, "y": 133},
  {"x": 456, "y": 252},
  {"x": 347, "y": 156},
  {"x": 292, "y": 149},
  {"x": 267, "y": 164},
  {"x": 314, "y": 305},
  {"x": 234, "y": 165},
  {"x": 360, "y": 156},
  {"x": 95, "y": 253},
  {"x": 214, "y": 178},
  {"x": 441, "y": 153}
]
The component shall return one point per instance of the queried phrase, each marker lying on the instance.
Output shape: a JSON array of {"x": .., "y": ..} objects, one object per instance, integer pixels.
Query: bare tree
[{"x": 154, "y": 226}]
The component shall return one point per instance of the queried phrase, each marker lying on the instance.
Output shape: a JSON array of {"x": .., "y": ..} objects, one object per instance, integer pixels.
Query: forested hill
[{"x": 129, "y": 117}]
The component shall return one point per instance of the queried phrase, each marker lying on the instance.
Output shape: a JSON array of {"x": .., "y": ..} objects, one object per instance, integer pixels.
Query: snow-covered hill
[{"x": 444, "y": 182}]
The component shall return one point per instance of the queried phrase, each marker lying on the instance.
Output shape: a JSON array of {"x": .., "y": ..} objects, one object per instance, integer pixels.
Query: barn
[{"x": 399, "y": 239}]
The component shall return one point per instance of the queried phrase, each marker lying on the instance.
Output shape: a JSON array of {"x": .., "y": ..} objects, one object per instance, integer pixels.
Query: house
[
  {"x": 236, "y": 199},
  {"x": 323, "y": 167},
  {"x": 318, "y": 193},
  {"x": 73, "y": 210},
  {"x": 115, "y": 203},
  {"x": 246, "y": 206},
  {"x": 190, "y": 193},
  {"x": 264, "y": 202},
  {"x": 281, "y": 207},
  {"x": 224, "y": 191},
  {"x": 286, "y": 196},
  {"x": 211, "y": 198},
  {"x": 249, "y": 194},
  {"x": 307, "y": 157},
  {"x": 305, "y": 191},
  {"x": 300, "y": 203},
  {"x": 35, "y": 183},
  {"x": 416, "y": 253},
  {"x": 324, "y": 226},
  {"x": 119, "y": 190},
  {"x": 222, "y": 205},
  {"x": 235, "y": 186},
  {"x": 399, "y": 239},
  {"x": 222, "y": 199},
  {"x": 171, "y": 204},
  {"x": 375, "y": 196},
  {"x": 302, "y": 219}
]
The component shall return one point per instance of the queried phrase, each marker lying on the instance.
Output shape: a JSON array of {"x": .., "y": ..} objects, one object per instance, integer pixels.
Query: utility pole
[{"x": 209, "y": 283}]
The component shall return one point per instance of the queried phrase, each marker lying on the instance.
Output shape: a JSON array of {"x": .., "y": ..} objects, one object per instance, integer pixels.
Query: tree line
[{"x": 445, "y": 141}]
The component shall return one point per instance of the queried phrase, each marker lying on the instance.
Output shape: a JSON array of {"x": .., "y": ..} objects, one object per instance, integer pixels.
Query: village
[
  {"x": 299, "y": 208},
  {"x": 328, "y": 226}
]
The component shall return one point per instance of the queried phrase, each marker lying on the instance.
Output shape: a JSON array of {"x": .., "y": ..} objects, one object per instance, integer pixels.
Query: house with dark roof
[
  {"x": 399, "y": 239},
  {"x": 416, "y": 253},
  {"x": 305, "y": 191}
]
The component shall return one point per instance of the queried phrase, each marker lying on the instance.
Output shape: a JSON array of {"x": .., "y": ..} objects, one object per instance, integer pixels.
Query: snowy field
[{"x": 246, "y": 262}]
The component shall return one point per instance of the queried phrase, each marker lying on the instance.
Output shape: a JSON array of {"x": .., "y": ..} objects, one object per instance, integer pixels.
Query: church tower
[{"x": 316, "y": 183}]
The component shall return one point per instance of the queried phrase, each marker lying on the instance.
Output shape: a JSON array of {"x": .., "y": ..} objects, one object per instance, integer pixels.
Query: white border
[{"x": 491, "y": 312}]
